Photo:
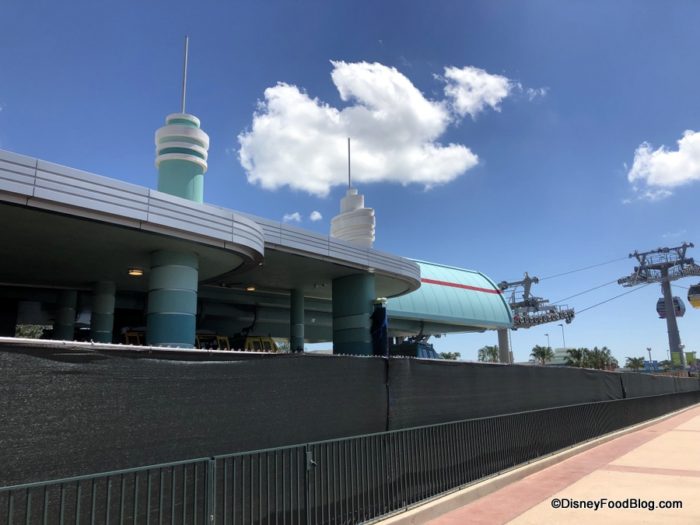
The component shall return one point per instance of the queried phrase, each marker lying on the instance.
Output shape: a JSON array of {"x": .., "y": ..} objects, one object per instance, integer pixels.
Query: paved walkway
[
  {"x": 647, "y": 467},
  {"x": 651, "y": 466}
]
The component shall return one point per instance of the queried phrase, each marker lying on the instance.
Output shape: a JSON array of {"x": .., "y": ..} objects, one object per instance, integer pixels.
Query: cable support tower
[
  {"x": 528, "y": 310},
  {"x": 663, "y": 266}
]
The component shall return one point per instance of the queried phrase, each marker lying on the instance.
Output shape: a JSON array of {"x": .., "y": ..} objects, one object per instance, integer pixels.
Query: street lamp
[
  {"x": 548, "y": 345},
  {"x": 562, "y": 335}
]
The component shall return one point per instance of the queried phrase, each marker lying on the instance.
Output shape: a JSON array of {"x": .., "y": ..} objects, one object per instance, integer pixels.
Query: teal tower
[{"x": 181, "y": 157}]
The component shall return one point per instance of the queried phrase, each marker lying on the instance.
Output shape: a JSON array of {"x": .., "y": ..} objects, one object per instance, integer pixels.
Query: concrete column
[
  {"x": 503, "y": 347},
  {"x": 64, "y": 323},
  {"x": 102, "y": 317},
  {"x": 352, "y": 307},
  {"x": 172, "y": 299},
  {"x": 8, "y": 317},
  {"x": 296, "y": 321}
]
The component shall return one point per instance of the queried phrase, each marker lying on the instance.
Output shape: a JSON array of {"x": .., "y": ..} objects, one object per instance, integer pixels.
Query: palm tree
[
  {"x": 488, "y": 354},
  {"x": 598, "y": 358},
  {"x": 542, "y": 354},
  {"x": 575, "y": 357},
  {"x": 635, "y": 363},
  {"x": 609, "y": 362}
]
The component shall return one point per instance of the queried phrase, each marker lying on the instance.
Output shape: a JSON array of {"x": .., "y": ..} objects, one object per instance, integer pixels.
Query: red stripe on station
[{"x": 463, "y": 286}]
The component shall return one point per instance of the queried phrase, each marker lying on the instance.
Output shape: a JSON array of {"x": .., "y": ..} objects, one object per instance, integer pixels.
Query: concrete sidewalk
[{"x": 656, "y": 464}]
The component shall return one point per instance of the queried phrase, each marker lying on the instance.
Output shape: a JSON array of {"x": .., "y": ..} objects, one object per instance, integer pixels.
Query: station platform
[{"x": 649, "y": 473}]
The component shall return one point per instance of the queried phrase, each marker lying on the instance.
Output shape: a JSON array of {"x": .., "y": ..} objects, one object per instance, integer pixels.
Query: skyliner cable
[
  {"x": 585, "y": 291},
  {"x": 584, "y": 268},
  {"x": 579, "y": 312}
]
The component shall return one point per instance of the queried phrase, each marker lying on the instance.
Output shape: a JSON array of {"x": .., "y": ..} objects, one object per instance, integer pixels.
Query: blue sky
[{"x": 86, "y": 84}]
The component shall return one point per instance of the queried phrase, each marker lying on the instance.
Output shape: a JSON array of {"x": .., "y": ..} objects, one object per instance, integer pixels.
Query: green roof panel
[{"x": 453, "y": 296}]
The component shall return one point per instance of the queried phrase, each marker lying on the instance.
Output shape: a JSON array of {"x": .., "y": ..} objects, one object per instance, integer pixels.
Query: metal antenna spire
[
  {"x": 349, "y": 176},
  {"x": 184, "y": 73}
]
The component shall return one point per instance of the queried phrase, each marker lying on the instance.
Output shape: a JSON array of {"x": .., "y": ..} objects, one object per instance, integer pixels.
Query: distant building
[{"x": 559, "y": 359}]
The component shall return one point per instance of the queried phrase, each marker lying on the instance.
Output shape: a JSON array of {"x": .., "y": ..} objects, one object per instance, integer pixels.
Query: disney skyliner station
[{"x": 115, "y": 254}]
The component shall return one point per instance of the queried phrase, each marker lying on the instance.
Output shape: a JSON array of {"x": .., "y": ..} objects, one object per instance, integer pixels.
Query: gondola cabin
[
  {"x": 694, "y": 296},
  {"x": 678, "y": 307}
]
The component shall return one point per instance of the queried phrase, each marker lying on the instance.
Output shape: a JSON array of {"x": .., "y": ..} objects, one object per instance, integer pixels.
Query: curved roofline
[
  {"x": 38, "y": 184},
  {"x": 447, "y": 266},
  {"x": 480, "y": 284},
  {"x": 35, "y": 183}
]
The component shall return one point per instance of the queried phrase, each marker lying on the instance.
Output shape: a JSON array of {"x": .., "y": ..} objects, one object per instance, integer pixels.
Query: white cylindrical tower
[
  {"x": 181, "y": 156},
  {"x": 355, "y": 223}
]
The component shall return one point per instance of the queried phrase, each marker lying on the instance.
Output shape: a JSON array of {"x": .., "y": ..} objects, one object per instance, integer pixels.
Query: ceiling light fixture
[
  {"x": 135, "y": 272},
  {"x": 250, "y": 288}
]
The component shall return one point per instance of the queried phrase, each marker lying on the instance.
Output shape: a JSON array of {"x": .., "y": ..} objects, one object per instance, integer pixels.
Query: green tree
[
  {"x": 635, "y": 363},
  {"x": 29, "y": 331},
  {"x": 488, "y": 354},
  {"x": 599, "y": 358},
  {"x": 575, "y": 356},
  {"x": 542, "y": 354},
  {"x": 450, "y": 356}
]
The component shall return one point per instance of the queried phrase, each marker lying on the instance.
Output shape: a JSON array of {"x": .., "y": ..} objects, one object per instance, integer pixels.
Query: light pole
[
  {"x": 649, "y": 350},
  {"x": 563, "y": 340},
  {"x": 548, "y": 345}
]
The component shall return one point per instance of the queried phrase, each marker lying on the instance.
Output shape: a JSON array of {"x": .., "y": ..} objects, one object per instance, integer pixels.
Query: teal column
[
  {"x": 296, "y": 321},
  {"x": 172, "y": 299},
  {"x": 64, "y": 324},
  {"x": 102, "y": 317},
  {"x": 352, "y": 307}
]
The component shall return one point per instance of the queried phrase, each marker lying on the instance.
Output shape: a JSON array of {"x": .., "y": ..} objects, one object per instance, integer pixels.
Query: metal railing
[
  {"x": 178, "y": 492},
  {"x": 341, "y": 481}
]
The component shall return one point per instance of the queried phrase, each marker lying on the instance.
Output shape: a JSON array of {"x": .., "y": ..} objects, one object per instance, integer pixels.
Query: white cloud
[
  {"x": 471, "y": 90},
  {"x": 533, "y": 93},
  {"x": 292, "y": 217},
  {"x": 315, "y": 216},
  {"x": 673, "y": 235},
  {"x": 655, "y": 173},
  {"x": 300, "y": 142}
]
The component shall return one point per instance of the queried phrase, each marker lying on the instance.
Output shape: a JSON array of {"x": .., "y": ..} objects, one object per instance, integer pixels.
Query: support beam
[
  {"x": 172, "y": 299},
  {"x": 64, "y": 323},
  {"x": 102, "y": 317},
  {"x": 352, "y": 307},
  {"x": 504, "y": 355},
  {"x": 674, "y": 337},
  {"x": 296, "y": 321}
]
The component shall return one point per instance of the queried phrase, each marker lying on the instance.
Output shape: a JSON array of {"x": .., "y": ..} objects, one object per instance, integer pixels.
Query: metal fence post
[
  {"x": 211, "y": 490},
  {"x": 310, "y": 464}
]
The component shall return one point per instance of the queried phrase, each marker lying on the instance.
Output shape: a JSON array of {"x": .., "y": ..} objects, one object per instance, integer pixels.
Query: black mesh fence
[
  {"x": 67, "y": 414},
  {"x": 344, "y": 481},
  {"x": 424, "y": 392},
  {"x": 74, "y": 412}
]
